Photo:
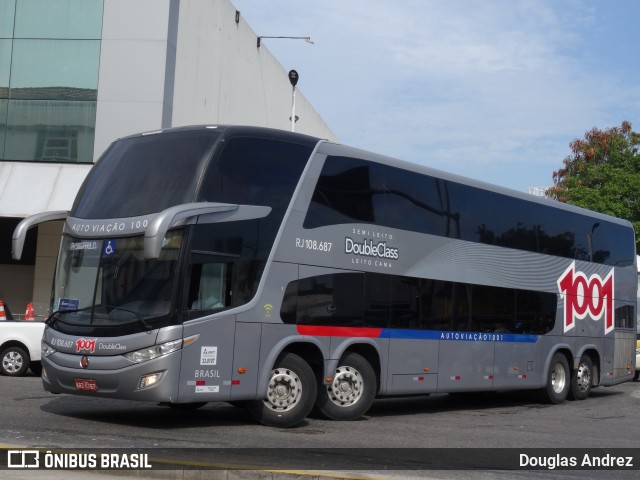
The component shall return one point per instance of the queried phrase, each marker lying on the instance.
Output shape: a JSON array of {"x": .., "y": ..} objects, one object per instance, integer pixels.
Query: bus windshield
[
  {"x": 108, "y": 283},
  {"x": 162, "y": 171}
]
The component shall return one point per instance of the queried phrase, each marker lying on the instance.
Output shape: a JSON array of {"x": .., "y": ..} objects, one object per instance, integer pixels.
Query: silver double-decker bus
[{"x": 278, "y": 270}]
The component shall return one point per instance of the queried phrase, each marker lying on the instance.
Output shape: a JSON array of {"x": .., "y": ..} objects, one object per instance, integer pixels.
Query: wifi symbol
[{"x": 267, "y": 310}]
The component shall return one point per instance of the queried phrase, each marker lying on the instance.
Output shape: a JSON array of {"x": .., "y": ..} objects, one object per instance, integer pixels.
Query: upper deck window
[
  {"x": 143, "y": 175},
  {"x": 255, "y": 171},
  {"x": 353, "y": 190}
]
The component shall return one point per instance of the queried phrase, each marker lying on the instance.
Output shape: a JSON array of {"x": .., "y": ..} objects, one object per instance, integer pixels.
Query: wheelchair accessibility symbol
[{"x": 110, "y": 247}]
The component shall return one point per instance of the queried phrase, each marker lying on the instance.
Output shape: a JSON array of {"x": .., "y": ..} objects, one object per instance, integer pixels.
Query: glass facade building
[
  {"x": 77, "y": 74},
  {"x": 49, "y": 62}
]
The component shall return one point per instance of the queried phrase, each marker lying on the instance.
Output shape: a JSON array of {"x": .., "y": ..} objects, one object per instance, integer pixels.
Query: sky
[{"x": 490, "y": 89}]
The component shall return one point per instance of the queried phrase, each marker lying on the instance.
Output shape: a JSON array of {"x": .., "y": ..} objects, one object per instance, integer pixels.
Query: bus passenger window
[
  {"x": 333, "y": 299},
  {"x": 208, "y": 286}
]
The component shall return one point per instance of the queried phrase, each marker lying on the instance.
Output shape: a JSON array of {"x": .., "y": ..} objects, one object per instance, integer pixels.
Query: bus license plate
[{"x": 86, "y": 385}]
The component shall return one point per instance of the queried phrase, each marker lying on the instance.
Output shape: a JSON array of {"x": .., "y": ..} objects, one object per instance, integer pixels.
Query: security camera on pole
[{"x": 293, "y": 78}]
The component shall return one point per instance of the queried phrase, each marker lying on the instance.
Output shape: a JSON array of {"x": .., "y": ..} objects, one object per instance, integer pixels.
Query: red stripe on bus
[{"x": 321, "y": 331}]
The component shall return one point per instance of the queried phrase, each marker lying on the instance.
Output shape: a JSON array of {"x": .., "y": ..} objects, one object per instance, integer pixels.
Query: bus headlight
[
  {"x": 146, "y": 354},
  {"x": 46, "y": 349}
]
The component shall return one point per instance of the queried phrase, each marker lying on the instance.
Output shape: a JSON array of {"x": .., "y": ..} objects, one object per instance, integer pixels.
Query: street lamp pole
[{"x": 293, "y": 78}]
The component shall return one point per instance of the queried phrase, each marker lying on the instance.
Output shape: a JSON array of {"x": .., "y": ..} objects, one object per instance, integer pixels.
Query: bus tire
[
  {"x": 290, "y": 394},
  {"x": 15, "y": 361},
  {"x": 558, "y": 381},
  {"x": 352, "y": 391},
  {"x": 582, "y": 380}
]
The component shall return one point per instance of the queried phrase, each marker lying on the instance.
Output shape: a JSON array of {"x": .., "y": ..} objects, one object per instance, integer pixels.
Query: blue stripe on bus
[
  {"x": 457, "y": 336},
  {"x": 375, "y": 332}
]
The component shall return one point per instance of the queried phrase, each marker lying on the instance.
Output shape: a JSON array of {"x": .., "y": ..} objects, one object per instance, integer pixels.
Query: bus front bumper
[{"x": 155, "y": 380}]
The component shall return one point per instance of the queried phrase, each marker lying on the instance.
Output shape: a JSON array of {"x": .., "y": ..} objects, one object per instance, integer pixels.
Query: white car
[{"x": 20, "y": 347}]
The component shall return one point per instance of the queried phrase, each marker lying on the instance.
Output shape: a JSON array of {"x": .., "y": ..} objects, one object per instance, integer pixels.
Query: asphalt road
[{"x": 609, "y": 419}]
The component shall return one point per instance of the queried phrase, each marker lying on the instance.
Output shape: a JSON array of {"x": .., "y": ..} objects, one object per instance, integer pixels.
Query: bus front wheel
[
  {"x": 351, "y": 392},
  {"x": 582, "y": 380},
  {"x": 290, "y": 394},
  {"x": 558, "y": 381}
]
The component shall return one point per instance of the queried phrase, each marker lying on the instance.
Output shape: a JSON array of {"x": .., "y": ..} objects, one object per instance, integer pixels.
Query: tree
[{"x": 603, "y": 174}]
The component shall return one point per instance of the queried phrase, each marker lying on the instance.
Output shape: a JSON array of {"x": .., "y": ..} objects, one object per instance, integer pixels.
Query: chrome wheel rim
[
  {"x": 12, "y": 362},
  {"x": 284, "y": 390},
  {"x": 346, "y": 388},
  {"x": 583, "y": 377},
  {"x": 558, "y": 378}
]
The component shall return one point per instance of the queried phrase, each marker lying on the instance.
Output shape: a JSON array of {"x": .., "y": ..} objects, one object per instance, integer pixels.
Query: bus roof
[{"x": 331, "y": 148}]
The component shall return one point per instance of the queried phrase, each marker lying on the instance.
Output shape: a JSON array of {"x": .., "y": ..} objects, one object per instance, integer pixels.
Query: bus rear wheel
[
  {"x": 351, "y": 392},
  {"x": 558, "y": 381},
  {"x": 290, "y": 394},
  {"x": 582, "y": 380}
]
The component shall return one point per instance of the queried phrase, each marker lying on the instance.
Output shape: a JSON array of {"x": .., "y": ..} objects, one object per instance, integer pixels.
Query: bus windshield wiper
[
  {"x": 146, "y": 324},
  {"x": 55, "y": 316}
]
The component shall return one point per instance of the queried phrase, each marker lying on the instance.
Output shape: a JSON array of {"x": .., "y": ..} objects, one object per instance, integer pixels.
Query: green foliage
[{"x": 603, "y": 174}]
